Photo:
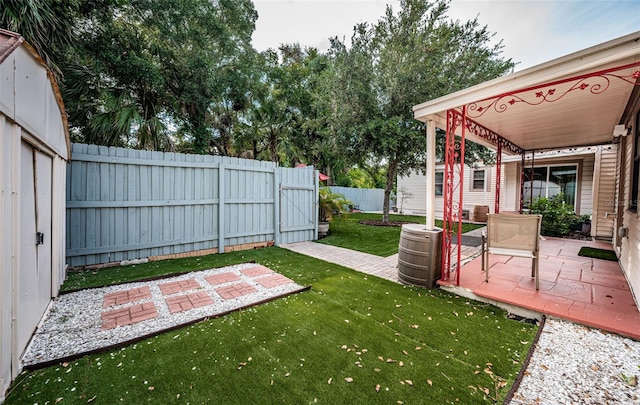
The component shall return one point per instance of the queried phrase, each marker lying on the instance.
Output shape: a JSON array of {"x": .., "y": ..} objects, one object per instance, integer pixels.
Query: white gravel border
[
  {"x": 573, "y": 364},
  {"x": 72, "y": 323}
]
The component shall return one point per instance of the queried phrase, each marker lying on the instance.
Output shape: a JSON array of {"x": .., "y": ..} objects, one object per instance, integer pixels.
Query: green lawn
[
  {"x": 351, "y": 339},
  {"x": 377, "y": 240}
]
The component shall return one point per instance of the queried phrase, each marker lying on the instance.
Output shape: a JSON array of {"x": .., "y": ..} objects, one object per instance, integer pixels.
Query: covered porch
[
  {"x": 578, "y": 100},
  {"x": 592, "y": 292}
]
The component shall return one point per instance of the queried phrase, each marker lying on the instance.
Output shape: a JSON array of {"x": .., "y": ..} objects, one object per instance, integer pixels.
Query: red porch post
[{"x": 496, "y": 209}]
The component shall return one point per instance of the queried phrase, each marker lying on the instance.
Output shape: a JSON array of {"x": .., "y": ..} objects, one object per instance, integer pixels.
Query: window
[
  {"x": 549, "y": 181},
  {"x": 439, "y": 183},
  {"x": 478, "y": 180},
  {"x": 633, "y": 197}
]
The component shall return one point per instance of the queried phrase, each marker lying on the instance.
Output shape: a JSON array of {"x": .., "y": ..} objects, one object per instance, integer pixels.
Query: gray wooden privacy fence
[
  {"x": 125, "y": 204},
  {"x": 366, "y": 199}
]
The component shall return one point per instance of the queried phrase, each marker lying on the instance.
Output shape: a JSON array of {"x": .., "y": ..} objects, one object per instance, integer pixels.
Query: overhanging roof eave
[{"x": 572, "y": 64}]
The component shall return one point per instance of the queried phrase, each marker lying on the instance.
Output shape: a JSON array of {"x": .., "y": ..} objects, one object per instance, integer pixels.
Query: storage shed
[{"x": 34, "y": 150}]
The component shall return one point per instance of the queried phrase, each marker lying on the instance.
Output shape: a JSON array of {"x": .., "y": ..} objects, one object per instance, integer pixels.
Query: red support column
[
  {"x": 447, "y": 193},
  {"x": 522, "y": 169},
  {"x": 498, "y": 175},
  {"x": 460, "y": 185}
]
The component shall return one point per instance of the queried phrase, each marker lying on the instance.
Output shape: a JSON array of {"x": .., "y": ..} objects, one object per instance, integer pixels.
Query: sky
[{"x": 532, "y": 31}]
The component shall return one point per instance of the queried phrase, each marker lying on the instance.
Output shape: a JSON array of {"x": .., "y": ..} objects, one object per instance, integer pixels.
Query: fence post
[
  {"x": 277, "y": 236},
  {"x": 221, "y": 222}
]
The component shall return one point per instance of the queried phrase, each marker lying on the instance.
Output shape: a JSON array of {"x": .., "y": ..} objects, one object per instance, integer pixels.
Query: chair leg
[
  {"x": 485, "y": 260},
  {"x": 537, "y": 272}
]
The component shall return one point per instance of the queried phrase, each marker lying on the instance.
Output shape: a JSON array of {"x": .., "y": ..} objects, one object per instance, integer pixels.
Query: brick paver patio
[
  {"x": 179, "y": 286},
  {"x": 186, "y": 302},
  {"x": 125, "y": 297},
  {"x": 273, "y": 280},
  {"x": 222, "y": 278},
  {"x": 128, "y": 315},
  {"x": 256, "y": 271},
  {"x": 235, "y": 290}
]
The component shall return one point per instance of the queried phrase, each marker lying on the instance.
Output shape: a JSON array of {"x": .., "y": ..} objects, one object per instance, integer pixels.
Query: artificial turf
[
  {"x": 596, "y": 253},
  {"x": 352, "y": 338},
  {"x": 347, "y": 232}
]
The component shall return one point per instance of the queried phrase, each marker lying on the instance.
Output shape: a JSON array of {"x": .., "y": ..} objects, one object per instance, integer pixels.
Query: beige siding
[
  {"x": 586, "y": 169},
  {"x": 510, "y": 192},
  {"x": 415, "y": 183},
  {"x": 604, "y": 208}
]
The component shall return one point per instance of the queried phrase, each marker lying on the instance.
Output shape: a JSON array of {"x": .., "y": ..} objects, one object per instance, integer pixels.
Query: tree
[
  {"x": 46, "y": 24},
  {"x": 143, "y": 70},
  {"x": 400, "y": 61}
]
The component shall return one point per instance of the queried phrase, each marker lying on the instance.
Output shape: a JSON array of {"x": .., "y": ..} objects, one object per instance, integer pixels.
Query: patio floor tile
[
  {"x": 235, "y": 290},
  {"x": 179, "y": 286},
  {"x": 186, "y": 302},
  {"x": 125, "y": 297}
]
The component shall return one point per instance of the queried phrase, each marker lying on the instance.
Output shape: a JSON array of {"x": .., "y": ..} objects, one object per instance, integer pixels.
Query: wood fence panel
[{"x": 125, "y": 204}]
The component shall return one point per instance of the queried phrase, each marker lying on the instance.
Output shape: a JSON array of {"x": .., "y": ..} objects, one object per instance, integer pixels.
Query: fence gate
[{"x": 298, "y": 209}]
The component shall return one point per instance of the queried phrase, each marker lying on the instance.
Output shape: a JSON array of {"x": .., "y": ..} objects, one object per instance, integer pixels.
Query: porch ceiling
[{"x": 572, "y": 101}]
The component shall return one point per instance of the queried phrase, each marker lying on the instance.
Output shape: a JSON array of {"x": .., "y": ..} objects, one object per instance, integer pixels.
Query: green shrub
[
  {"x": 557, "y": 216},
  {"x": 331, "y": 203}
]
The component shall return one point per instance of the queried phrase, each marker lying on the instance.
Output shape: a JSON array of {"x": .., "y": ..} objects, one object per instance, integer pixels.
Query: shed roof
[
  {"x": 9, "y": 42},
  {"x": 572, "y": 101}
]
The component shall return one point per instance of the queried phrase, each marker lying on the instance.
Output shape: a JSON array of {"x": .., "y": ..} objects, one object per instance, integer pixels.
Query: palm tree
[{"x": 46, "y": 24}]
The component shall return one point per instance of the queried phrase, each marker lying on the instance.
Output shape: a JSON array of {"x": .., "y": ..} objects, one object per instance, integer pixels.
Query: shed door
[{"x": 34, "y": 278}]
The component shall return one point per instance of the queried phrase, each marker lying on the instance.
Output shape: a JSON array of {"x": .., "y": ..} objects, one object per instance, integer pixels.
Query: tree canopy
[
  {"x": 405, "y": 58},
  {"x": 182, "y": 75}
]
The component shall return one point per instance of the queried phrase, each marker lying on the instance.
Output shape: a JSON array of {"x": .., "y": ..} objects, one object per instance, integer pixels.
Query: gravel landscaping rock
[
  {"x": 573, "y": 364},
  {"x": 73, "y": 324}
]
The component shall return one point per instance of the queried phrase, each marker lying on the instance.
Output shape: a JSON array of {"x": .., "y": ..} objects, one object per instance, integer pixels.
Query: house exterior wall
[
  {"x": 31, "y": 122},
  {"x": 628, "y": 247},
  {"x": 604, "y": 191},
  {"x": 415, "y": 183}
]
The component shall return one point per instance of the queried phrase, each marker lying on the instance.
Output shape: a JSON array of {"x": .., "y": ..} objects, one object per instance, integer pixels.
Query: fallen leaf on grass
[
  {"x": 409, "y": 382},
  {"x": 58, "y": 399},
  {"x": 348, "y": 379},
  {"x": 329, "y": 380},
  {"x": 151, "y": 388},
  {"x": 430, "y": 383},
  {"x": 377, "y": 387},
  {"x": 415, "y": 326}
]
